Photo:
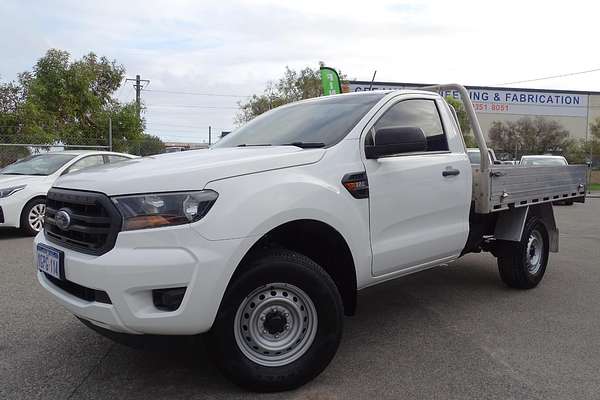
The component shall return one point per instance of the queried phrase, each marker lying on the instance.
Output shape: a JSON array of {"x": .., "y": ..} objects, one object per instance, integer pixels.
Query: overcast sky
[{"x": 232, "y": 48}]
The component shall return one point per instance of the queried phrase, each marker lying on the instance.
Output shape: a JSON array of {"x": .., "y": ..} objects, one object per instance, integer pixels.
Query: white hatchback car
[{"x": 24, "y": 184}]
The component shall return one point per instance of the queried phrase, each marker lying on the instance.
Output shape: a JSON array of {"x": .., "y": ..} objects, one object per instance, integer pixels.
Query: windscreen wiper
[
  {"x": 306, "y": 145},
  {"x": 248, "y": 145}
]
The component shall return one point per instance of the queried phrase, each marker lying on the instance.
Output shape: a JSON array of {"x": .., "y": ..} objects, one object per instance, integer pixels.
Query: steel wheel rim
[
  {"x": 36, "y": 217},
  {"x": 535, "y": 252},
  {"x": 275, "y": 324}
]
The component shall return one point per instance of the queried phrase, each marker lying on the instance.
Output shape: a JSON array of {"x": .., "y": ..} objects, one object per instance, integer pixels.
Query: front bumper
[
  {"x": 11, "y": 210},
  {"x": 140, "y": 262}
]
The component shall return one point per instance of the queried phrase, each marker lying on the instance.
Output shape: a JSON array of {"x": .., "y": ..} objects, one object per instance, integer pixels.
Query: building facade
[{"x": 574, "y": 110}]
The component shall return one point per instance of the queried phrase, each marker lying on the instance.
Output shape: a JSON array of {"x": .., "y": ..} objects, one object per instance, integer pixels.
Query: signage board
[{"x": 506, "y": 100}]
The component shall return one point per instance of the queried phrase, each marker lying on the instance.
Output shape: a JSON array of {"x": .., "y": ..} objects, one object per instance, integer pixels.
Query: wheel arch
[
  {"x": 320, "y": 242},
  {"x": 510, "y": 224},
  {"x": 32, "y": 198}
]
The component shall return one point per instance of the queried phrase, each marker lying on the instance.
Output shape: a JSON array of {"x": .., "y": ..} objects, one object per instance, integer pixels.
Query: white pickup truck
[{"x": 264, "y": 239}]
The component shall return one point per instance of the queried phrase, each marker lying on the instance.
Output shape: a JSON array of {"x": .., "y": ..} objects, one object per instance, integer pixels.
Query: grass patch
[{"x": 595, "y": 186}]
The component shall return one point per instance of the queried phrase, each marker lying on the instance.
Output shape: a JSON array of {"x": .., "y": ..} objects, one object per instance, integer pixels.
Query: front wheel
[
  {"x": 522, "y": 265},
  {"x": 32, "y": 216},
  {"x": 280, "y": 323}
]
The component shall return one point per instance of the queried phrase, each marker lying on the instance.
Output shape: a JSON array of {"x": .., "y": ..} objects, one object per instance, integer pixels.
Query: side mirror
[{"x": 396, "y": 139}]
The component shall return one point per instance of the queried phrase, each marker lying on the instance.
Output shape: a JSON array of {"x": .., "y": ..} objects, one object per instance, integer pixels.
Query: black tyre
[
  {"x": 522, "y": 264},
  {"x": 279, "y": 324},
  {"x": 32, "y": 216}
]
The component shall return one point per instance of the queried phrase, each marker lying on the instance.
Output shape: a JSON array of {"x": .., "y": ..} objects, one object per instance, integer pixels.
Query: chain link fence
[{"x": 15, "y": 147}]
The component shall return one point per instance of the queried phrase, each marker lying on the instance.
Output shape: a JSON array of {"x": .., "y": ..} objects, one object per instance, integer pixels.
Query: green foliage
[
  {"x": 149, "y": 145},
  {"x": 69, "y": 102},
  {"x": 576, "y": 151},
  {"x": 293, "y": 86},
  {"x": 529, "y": 136},
  {"x": 595, "y": 129},
  {"x": 463, "y": 121}
]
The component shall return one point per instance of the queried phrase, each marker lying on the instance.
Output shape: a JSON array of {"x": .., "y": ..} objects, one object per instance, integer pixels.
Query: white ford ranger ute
[{"x": 263, "y": 240}]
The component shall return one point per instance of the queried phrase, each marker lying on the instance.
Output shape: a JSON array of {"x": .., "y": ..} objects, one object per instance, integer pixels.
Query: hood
[
  {"x": 188, "y": 170},
  {"x": 7, "y": 181}
]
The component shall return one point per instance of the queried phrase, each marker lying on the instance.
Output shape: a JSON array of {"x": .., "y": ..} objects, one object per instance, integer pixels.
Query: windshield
[
  {"x": 320, "y": 123},
  {"x": 543, "y": 161},
  {"x": 474, "y": 157},
  {"x": 39, "y": 164}
]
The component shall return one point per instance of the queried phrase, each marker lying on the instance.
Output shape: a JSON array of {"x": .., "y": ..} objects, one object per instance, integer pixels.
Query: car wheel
[
  {"x": 279, "y": 324},
  {"x": 32, "y": 216},
  {"x": 522, "y": 265}
]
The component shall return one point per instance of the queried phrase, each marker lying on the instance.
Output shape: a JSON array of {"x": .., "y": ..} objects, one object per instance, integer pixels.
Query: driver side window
[{"x": 419, "y": 113}]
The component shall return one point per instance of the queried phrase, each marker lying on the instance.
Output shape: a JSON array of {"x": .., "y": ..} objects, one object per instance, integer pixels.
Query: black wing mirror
[{"x": 396, "y": 139}]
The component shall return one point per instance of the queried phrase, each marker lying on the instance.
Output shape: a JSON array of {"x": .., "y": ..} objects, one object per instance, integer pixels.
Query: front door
[{"x": 419, "y": 204}]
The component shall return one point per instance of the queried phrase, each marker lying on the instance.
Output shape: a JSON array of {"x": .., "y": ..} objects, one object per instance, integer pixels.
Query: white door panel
[{"x": 417, "y": 214}]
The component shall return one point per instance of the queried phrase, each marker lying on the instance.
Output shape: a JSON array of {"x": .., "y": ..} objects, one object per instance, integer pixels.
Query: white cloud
[{"x": 236, "y": 46}]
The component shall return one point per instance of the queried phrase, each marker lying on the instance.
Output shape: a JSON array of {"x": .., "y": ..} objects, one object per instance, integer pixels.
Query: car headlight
[
  {"x": 10, "y": 190},
  {"x": 164, "y": 209}
]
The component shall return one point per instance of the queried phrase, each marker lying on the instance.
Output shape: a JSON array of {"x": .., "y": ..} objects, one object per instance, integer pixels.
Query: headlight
[
  {"x": 8, "y": 191},
  {"x": 164, "y": 209}
]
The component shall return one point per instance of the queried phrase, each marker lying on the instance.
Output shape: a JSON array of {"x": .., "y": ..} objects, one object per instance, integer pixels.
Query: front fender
[{"x": 252, "y": 205}]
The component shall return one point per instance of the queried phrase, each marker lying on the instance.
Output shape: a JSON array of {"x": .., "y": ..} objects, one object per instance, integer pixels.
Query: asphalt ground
[{"x": 448, "y": 333}]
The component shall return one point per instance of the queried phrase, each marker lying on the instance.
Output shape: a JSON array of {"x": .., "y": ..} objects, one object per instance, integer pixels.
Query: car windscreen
[
  {"x": 543, "y": 161},
  {"x": 325, "y": 121},
  {"x": 38, "y": 164}
]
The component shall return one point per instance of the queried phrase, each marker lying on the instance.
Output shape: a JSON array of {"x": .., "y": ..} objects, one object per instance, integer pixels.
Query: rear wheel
[
  {"x": 522, "y": 265},
  {"x": 280, "y": 323},
  {"x": 32, "y": 216}
]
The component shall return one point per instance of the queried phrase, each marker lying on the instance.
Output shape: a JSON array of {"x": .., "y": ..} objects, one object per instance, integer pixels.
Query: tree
[
  {"x": 293, "y": 86},
  {"x": 576, "y": 151},
  {"x": 68, "y": 102},
  {"x": 463, "y": 121},
  {"x": 529, "y": 136},
  {"x": 149, "y": 145},
  {"x": 595, "y": 129}
]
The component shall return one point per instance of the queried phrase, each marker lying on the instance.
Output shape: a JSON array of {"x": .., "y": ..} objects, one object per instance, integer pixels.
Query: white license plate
[{"x": 50, "y": 261}]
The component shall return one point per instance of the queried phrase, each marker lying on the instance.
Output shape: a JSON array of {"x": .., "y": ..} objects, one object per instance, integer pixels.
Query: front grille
[
  {"x": 1, "y": 216},
  {"x": 94, "y": 220},
  {"x": 79, "y": 291}
]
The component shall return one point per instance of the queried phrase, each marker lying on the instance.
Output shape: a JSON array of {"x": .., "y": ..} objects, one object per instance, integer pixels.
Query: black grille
[
  {"x": 95, "y": 221},
  {"x": 1, "y": 216},
  {"x": 79, "y": 291}
]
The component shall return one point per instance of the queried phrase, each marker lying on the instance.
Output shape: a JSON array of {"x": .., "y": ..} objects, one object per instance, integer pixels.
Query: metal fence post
[{"x": 110, "y": 133}]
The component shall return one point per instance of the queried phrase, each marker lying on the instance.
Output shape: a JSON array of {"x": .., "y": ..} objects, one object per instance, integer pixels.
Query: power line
[
  {"x": 552, "y": 76},
  {"x": 190, "y": 106},
  {"x": 178, "y": 126},
  {"x": 195, "y": 93}
]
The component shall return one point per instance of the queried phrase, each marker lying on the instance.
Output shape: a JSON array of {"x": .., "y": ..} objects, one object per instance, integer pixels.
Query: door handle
[{"x": 450, "y": 172}]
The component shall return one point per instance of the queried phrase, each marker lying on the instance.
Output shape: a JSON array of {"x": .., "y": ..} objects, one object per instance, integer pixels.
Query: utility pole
[
  {"x": 209, "y": 135},
  {"x": 138, "y": 91}
]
